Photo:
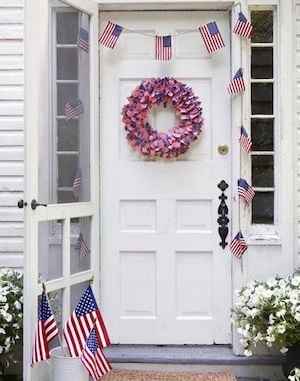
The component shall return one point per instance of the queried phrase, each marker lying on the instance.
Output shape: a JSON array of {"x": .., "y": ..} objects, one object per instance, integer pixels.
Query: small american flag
[
  {"x": 77, "y": 183},
  {"x": 163, "y": 48},
  {"x": 245, "y": 140},
  {"x": 212, "y": 37},
  {"x": 46, "y": 330},
  {"x": 110, "y": 35},
  {"x": 83, "y": 39},
  {"x": 73, "y": 108},
  {"x": 243, "y": 27},
  {"x": 93, "y": 358},
  {"x": 83, "y": 248},
  {"x": 78, "y": 327},
  {"x": 238, "y": 245},
  {"x": 245, "y": 191},
  {"x": 237, "y": 85}
]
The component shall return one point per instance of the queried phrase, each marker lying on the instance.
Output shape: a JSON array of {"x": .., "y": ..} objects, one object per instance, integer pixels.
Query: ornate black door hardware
[
  {"x": 223, "y": 220},
  {"x": 35, "y": 204}
]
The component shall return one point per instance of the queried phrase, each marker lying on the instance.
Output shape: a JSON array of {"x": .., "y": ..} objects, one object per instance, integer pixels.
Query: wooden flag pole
[{"x": 59, "y": 335}]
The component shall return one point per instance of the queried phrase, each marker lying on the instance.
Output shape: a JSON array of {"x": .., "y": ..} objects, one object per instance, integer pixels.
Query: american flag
[
  {"x": 163, "y": 48},
  {"x": 46, "y": 330},
  {"x": 212, "y": 37},
  {"x": 93, "y": 358},
  {"x": 77, "y": 183},
  {"x": 83, "y": 248},
  {"x": 237, "y": 85},
  {"x": 243, "y": 27},
  {"x": 83, "y": 39},
  {"x": 85, "y": 317},
  {"x": 245, "y": 191},
  {"x": 73, "y": 108},
  {"x": 110, "y": 35},
  {"x": 238, "y": 245},
  {"x": 245, "y": 140}
]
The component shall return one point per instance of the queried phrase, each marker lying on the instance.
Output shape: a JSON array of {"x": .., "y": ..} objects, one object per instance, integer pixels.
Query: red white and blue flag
[
  {"x": 73, "y": 108},
  {"x": 245, "y": 191},
  {"x": 163, "y": 48},
  {"x": 238, "y": 245},
  {"x": 46, "y": 331},
  {"x": 110, "y": 35},
  {"x": 93, "y": 358},
  {"x": 237, "y": 85},
  {"x": 212, "y": 37},
  {"x": 83, "y": 248},
  {"x": 243, "y": 27},
  {"x": 77, "y": 183},
  {"x": 83, "y": 39},
  {"x": 84, "y": 318},
  {"x": 245, "y": 140}
]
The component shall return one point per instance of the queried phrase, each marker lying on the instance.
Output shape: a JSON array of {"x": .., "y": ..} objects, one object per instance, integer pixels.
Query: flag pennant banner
[
  {"x": 77, "y": 183},
  {"x": 245, "y": 191},
  {"x": 245, "y": 140},
  {"x": 237, "y": 85},
  {"x": 243, "y": 27},
  {"x": 212, "y": 37},
  {"x": 84, "y": 251},
  {"x": 73, "y": 108},
  {"x": 163, "y": 48},
  {"x": 78, "y": 327},
  {"x": 110, "y": 35},
  {"x": 93, "y": 358},
  {"x": 238, "y": 245},
  {"x": 83, "y": 39},
  {"x": 46, "y": 331}
]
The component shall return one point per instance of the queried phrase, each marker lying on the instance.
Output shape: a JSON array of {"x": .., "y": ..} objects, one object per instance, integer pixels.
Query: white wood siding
[{"x": 11, "y": 132}]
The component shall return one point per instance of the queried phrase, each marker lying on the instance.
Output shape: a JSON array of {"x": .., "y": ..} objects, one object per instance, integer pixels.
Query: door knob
[
  {"x": 22, "y": 204},
  {"x": 223, "y": 149},
  {"x": 35, "y": 204}
]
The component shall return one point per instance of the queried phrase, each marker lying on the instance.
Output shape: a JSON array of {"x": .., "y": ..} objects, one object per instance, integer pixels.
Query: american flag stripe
[
  {"x": 110, "y": 35},
  {"x": 245, "y": 191},
  {"x": 238, "y": 245},
  {"x": 212, "y": 37},
  {"x": 102, "y": 331},
  {"x": 73, "y": 108},
  {"x": 163, "y": 48},
  {"x": 245, "y": 140},
  {"x": 243, "y": 27},
  {"x": 236, "y": 86},
  {"x": 83, "y": 39}
]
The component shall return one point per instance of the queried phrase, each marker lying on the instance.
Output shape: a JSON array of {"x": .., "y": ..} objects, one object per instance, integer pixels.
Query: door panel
[{"x": 165, "y": 279}]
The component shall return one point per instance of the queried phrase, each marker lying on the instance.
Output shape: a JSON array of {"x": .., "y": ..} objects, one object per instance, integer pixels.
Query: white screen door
[
  {"x": 165, "y": 278},
  {"x": 61, "y": 161}
]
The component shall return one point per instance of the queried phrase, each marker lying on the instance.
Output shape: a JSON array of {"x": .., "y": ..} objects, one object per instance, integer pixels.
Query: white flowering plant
[
  {"x": 294, "y": 375},
  {"x": 269, "y": 313},
  {"x": 11, "y": 316}
]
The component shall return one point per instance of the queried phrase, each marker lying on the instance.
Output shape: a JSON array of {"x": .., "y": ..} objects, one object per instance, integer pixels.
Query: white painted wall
[{"x": 11, "y": 132}]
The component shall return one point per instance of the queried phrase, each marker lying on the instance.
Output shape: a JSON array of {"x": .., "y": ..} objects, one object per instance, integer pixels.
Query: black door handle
[
  {"x": 22, "y": 204},
  {"x": 35, "y": 204}
]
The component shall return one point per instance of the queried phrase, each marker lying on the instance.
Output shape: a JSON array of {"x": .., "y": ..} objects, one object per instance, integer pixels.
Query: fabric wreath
[{"x": 176, "y": 140}]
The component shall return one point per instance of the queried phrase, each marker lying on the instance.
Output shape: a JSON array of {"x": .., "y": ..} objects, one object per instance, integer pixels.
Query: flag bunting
[
  {"x": 110, "y": 35},
  {"x": 163, "y": 48},
  {"x": 245, "y": 191},
  {"x": 243, "y": 27},
  {"x": 212, "y": 37},
  {"x": 245, "y": 140},
  {"x": 237, "y": 85},
  {"x": 238, "y": 245},
  {"x": 73, "y": 108}
]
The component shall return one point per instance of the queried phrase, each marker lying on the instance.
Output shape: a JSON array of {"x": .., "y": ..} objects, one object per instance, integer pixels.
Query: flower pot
[
  {"x": 292, "y": 359},
  {"x": 66, "y": 367}
]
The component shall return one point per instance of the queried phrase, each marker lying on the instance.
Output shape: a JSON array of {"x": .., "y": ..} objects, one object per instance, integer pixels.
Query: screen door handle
[{"x": 35, "y": 204}]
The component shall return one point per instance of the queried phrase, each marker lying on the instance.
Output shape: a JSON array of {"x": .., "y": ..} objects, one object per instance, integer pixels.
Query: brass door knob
[{"x": 223, "y": 149}]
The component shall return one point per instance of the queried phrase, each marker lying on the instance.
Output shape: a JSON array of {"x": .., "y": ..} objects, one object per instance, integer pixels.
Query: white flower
[
  {"x": 281, "y": 312},
  {"x": 1, "y": 349},
  {"x": 281, "y": 328},
  {"x": 18, "y": 305},
  {"x": 271, "y": 319},
  {"x": 283, "y": 350},
  {"x": 297, "y": 316},
  {"x": 296, "y": 281},
  {"x": 7, "y": 317},
  {"x": 3, "y": 299},
  {"x": 247, "y": 352},
  {"x": 271, "y": 282},
  {"x": 2, "y": 330}
]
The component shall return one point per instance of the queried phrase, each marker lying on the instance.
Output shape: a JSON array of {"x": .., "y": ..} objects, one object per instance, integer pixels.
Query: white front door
[{"x": 165, "y": 278}]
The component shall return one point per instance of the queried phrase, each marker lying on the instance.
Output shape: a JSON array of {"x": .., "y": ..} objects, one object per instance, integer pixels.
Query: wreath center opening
[{"x": 162, "y": 117}]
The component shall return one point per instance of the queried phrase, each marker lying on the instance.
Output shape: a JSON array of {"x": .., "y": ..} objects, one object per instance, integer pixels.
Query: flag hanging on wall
[
  {"x": 245, "y": 140},
  {"x": 243, "y": 27},
  {"x": 46, "y": 331},
  {"x": 83, "y": 248},
  {"x": 237, "y": 85},
  {"x": 212, "y": 37},
  {"x": 110, "y": 35},
  {"x": 83, "y": 39},
  {"x": 84, "y": 318},
  {"x": 238, "y": 245},
  {"x": 73, "y": 108},
  {"x": 93, "y": 358},
  {"x": 245, "y": 191},
  {"x": 77, "y": 183},
  {"x": 163, "y": 48}
]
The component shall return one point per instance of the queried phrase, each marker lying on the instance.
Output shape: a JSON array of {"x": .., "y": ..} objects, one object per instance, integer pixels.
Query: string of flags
[
  {"x": 209, "y": 32},
  {"x": 85, "y": 334}
]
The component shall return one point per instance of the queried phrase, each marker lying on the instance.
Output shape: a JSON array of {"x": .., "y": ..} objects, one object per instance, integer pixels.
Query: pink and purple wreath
[{"x": 176, "y": 140}]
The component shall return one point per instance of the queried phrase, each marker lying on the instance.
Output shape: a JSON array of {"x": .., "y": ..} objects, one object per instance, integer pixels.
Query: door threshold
[{"x": 184, "y": 354}]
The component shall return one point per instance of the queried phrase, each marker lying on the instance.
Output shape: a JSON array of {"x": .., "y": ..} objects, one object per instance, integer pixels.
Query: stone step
[{"x": 195, "y": 358}]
